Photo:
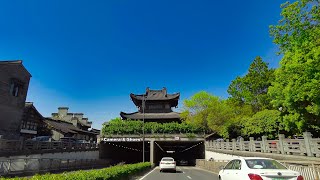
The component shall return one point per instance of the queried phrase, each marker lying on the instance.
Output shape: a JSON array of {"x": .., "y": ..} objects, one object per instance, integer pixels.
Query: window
[
  {"x": 237, "y": 165},
  {"x": 229, "y": 165},
  {"x": 15, "y": 87},
  {"x": 264, "y": 164}
]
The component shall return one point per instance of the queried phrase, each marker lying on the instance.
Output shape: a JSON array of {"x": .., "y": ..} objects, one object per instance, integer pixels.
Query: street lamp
[{"x": 143, "y": 106}]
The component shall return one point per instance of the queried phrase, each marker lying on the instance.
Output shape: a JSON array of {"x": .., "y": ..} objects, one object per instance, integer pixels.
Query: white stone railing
[{"x": 307, "y": 146}]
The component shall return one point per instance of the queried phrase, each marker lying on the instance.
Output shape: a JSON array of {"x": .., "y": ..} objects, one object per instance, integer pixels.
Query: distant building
[
  {"x": 65, "y": 124},
  {"x": 158, "y": 107},
  {"x": 14, "y": 84},
  {"x": 33, "y": 124}
]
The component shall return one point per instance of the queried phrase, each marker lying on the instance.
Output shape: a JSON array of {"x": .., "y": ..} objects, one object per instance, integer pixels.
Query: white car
[
  {"x": 167, "y": 163},
  {"x": 256, "y": 168}
]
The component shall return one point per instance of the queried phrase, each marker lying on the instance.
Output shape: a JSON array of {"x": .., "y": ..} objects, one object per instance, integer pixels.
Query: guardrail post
[
  {"x": 9, "y": 167},
  {"x": 241, "y": 144},
  {"x": 307, "y": 136},
  {"x": 264, "y": 144},
  {"x": 316, "y": 175},
  {"x": 252, "y": 145},
  {"x": 227, "y": 144},
  {"x": 234, "y": 145},
  {"x": 25, "y": 164},
  {"x": 281, "y": 140}
]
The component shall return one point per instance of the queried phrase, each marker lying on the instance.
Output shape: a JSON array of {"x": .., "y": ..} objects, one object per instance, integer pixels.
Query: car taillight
[
  {"x": 300, "y": 177},
  {"x": 174, "y": 162},
  {"x": 255, "y": 177}
]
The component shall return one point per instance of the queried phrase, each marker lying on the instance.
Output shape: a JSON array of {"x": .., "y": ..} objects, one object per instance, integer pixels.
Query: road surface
[{"x": 183, "y": 173}]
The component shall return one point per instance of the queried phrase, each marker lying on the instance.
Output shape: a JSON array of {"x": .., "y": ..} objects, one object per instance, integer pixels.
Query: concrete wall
[
  {"x": 219, "y": 156},
  {"x": 11, "y": 107},
  {"x": 62, "y": 155}
]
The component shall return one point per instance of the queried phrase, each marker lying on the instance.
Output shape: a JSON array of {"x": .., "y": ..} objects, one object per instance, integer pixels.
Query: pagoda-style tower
[{"x": 158, "y": 106}]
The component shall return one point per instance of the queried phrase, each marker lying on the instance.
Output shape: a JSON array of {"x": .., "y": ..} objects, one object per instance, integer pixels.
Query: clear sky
[{"x": 90, "y": 55}]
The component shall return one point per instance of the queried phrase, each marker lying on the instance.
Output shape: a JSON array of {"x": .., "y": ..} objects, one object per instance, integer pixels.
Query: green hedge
[
  {"x": 111, "y": 173},
  {"x": 118, "y": 126}
]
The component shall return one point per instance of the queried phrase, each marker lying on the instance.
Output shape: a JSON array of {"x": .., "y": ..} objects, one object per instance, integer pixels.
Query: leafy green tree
[
  {"x": 297, "y": 80},
  {"x": 206, "y": 111},
  {"x": 253, "y": 87},
  {"x": 266, "y": 122}
]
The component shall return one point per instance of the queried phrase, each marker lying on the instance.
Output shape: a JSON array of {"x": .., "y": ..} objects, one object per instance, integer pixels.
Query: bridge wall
[{"x": 60, "y": 155}]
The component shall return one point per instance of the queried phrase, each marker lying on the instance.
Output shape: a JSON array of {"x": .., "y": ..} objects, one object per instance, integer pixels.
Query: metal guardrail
[{"x": 36, "y": 165}]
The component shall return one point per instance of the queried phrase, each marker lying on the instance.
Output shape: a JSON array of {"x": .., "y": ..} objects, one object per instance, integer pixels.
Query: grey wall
[{"x": 11, "y": 107}]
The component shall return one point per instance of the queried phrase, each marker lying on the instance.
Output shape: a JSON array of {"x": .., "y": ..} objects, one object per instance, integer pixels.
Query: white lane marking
[
  {"x": 189, "y": 177},
  {"x": 148, "y": 174}
]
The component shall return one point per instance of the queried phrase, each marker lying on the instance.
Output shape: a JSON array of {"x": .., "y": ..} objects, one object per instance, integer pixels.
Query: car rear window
[
  {"x": 167, "y": 159},
  {"x": 264, "y": 164}
]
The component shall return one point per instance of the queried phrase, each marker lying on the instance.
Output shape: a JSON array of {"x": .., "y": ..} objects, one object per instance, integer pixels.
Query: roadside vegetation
[
  {"x": 119, "y": 127},
  {"x": 110, "y": 173}
]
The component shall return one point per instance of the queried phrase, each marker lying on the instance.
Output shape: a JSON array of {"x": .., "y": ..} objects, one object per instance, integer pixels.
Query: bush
[{"x": 111, "y": 173}]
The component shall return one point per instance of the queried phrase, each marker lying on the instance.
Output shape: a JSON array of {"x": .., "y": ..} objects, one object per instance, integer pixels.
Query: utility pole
[{"x": 143, "y": 106}]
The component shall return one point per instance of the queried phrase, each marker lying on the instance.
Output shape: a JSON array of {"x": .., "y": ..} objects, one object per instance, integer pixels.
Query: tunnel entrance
[
  {"x": 127, "y": 152},
  {"x": 184, "y": 152}
]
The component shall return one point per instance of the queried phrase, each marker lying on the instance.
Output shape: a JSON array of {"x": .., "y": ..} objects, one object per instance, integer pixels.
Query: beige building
[
  {"x": 14, "y": 84},
  {"x": 66, "y": 124}
]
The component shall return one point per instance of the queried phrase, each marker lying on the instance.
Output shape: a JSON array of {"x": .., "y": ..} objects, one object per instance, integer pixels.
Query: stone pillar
[
  {"x": 252, "y": 145},
  {"x": 234, "y": 144},
  {"x": 264, "y": 144},
  {"x": 227, "y": 144},
  {"x": 152, "y": 153},
  {"x": 241, "y": 144},
  {"x": 281, "y": 144},
  {"x": 307, "y": 136}
]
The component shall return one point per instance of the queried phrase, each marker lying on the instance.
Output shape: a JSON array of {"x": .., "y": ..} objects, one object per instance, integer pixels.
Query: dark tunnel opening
[
  {"x": 127, "y": 152},
  {"x": 184, "y": 152}
]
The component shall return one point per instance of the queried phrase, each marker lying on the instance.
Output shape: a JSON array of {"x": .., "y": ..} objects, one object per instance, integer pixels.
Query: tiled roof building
[{"x": 157, "y": 108}]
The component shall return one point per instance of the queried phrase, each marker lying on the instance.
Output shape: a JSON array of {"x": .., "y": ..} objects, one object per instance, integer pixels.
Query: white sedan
[
  {"x": 167, "y": 163},
  {"x": 256, "y": 168}
]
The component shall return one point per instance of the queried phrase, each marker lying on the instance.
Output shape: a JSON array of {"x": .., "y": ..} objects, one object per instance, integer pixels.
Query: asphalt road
[{"x": 183, "y": 173}]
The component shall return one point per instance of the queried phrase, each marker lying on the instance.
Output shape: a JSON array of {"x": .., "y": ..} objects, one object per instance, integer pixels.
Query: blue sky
[{"x": 90, "y": 55}]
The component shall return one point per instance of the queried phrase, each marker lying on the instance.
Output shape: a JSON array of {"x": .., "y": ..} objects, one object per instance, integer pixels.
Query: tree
[
  {"x": 297, "y": 80},
  {"x": 266, "y": 122},
  {"x": 207, "y": 111},
  {"x": 253, "y": 87}
]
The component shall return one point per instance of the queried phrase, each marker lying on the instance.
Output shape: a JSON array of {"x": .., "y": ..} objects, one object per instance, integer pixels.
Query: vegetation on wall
[{"x": 118, "y": 126}]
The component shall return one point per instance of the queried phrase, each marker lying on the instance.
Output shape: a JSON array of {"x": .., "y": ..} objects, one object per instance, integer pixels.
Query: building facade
[
  {"x": 154, "y": 106},
  {"x": 14, "y": 84},
  {"x": 66, "y": 124},
  {"x": 32, "y": 124}
]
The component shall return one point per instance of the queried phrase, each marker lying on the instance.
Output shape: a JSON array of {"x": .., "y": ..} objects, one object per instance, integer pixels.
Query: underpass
[{"x": 184, "y": 151}]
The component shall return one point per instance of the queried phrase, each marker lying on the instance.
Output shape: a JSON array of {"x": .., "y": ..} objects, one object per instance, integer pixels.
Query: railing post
[
  {"x": 234, "y": 145},
  {"x": 227, "y": 144},
  {"x": 25, "y": 164},
  {"x": 252, "y": 145},
  {"x": 9, "y": 167},
  {"x": 264, "y": 144},
  {"x": 281, "y": 141},
  {"x": 307, "y": 136},
  {"x": 241, "y": 144}
]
